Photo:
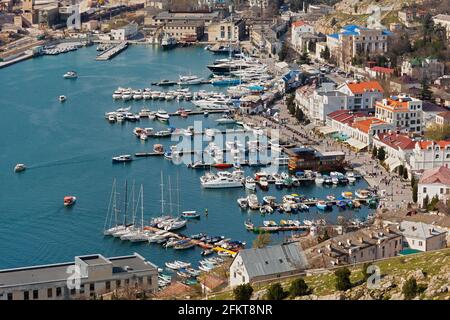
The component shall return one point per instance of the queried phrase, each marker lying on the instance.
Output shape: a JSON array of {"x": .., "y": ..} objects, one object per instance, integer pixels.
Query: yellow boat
[{"x": 347, "y": 194}]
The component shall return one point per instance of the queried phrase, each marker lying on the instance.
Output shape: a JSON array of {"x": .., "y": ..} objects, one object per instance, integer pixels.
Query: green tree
[
  {"x": 426, "y": 201},
  {"x": 298, "y": 288},
  {"x": 325, "y": 53},
  {"x": 333, "y": 21},
  {"x": 436, "y": 132},
  {"x": 276, "y": 292},
  {"x": 243, "y": 292},
  {"x": 400, "y": 170},
  {"x": 304, "y": 58},
  {"x": 374, "y": 152},
  {"x": 262, "y": 240},
  {"x": 343, "y": 282},
  {"x": 299, "y": 115},
  {"x": 425, "y": 92},
  {"x": 409, "y": 288},
  {"x": 381, "y": 155},
  {"x": 323, "y": 237},
  {"x": 283, "y": 54},
  {"x": 413, "y": 181},
  {"x": 415, "y": 189},
  {"x": 405, "y": 173},
  {"x": 427, "y": 28},
  {"x": 433, "y": 204}
]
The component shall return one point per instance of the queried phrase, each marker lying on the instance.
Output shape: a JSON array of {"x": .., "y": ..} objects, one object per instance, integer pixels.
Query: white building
[
  {"x": 430, "y": 154},
  {"x": 423, "y": 237},
  {"x": 124, "y": 33},
  {"x": 402, "y": 111},
  {"x": 317, "y": 103},
  {"x": 302, "y": 34},
  {"x": 96, "y": 274},
  {"x": 259, "y": 3},
  {"x": 398, "y": 148},
  {"x": 443, "y": 20},
  {"x": 273, "y": 262},
  {"x": 434, "y": 182}
]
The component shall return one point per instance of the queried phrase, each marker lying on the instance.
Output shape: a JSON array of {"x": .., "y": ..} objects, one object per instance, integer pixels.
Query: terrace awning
[
  {"x": 356, "y": 144},
  {"x": 326, "y": 130}
]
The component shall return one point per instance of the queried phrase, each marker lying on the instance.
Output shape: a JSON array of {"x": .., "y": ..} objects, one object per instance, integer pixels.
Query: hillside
[
  {"x": 431, "y": 270},
  {"x": 359, "y": 11}
]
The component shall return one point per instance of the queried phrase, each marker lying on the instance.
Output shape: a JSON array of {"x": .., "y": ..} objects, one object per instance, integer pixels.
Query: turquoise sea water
[{"x": 67, "y": 148}]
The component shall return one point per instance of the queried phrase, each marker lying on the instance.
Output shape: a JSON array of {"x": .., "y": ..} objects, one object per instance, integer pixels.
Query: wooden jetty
[{"x": 148, "y": 154}]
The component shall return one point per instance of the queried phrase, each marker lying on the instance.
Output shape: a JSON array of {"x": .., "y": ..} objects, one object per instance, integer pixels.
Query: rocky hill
[{"x": 431, "y": 271}]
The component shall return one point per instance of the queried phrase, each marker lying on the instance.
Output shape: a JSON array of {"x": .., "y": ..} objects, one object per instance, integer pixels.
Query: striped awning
[
  {"x": 326, "y": 130},
  {"x": 356, "y": 143}
]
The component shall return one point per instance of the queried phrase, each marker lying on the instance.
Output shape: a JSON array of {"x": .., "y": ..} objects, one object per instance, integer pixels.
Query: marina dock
[{"x": 111, "y": 53}]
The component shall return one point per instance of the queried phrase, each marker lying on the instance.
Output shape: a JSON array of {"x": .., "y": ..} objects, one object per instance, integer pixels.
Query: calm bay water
[{"x": 68, "y": 148}]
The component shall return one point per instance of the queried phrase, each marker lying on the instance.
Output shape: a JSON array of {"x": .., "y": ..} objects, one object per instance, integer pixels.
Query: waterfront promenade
[{"x": 398, "y": 192}]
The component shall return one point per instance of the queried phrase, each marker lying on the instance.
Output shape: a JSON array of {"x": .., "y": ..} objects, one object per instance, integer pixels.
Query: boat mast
[
  {"x": 111, "y": 208},
  {"x": 178, "y": 193},
  {"x": 125, "y": 204},
  {"x": 162, "y": 194},
  {"x": 170, "y": 198},
  {"x": 142, "y": 208}
]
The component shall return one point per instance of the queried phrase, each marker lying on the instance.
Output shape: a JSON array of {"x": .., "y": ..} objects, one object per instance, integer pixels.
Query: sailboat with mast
[
  {"x": 157, "y": 220},
  {"x": 139, "y": 234},
  {"x": 112, "y": 213},
  {"x": 127, "y": 227}
]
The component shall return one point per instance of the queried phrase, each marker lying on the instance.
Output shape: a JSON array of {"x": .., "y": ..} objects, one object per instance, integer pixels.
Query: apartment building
[
  {"x": 398, "y": 148},
  {"x": 354, "y": 247},
  {"x": 443, "y": 20},
  {"x": 422, "y": 68},
  {"x": 422, "y": 236},
  {"x": 96, "y": 275},
  {"x": 317, "y": 103},
  {"x": 190, "y": 31},
  {"x": 226, "y": 30},
  {"x": 404, "y": 112},
  {"x": 353, "y": 40}
]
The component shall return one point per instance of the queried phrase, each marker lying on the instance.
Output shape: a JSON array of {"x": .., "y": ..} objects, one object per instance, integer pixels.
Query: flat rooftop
[{"x": 58, "y": 272}]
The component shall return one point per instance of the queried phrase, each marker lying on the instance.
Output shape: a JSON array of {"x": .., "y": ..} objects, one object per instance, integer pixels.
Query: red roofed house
[
  {"x": 381, "y": 72},
  {"x": 302, "y": 34},
  {"x": 359, "y": 126},
  {"x": 430, "y": 154},
  {"x": 398, "y": 147},
  {"x": 434, "y": 182},
  {"x": 362, "y": 95}
]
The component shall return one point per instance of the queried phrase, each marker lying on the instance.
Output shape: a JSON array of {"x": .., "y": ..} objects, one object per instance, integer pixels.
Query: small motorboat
[
  {"x": 243, "y": 203},
  {"x": 20, "y": 167},
  {"x": 190, "y": 215},
  {"x": 331, "y": 197},
  {"x": 69, "y": 200},
  {"x": 207, "y": 252},
  {"x": 362, "y": 194},
  {"x": 162, "y": 115},
  {"x": 70, "y": 75},
  {"x": 263, "y": 183},
  {"x": 250, "y": 183},
  {"x": 341, "y": 204},
  {"x": 347, "y": 194},
  {"x": 158, "y": 148},
  {"x": 62, "y": 98},
  {"x": 122, "y": 158},
  {"x": 321, "y": 205}
]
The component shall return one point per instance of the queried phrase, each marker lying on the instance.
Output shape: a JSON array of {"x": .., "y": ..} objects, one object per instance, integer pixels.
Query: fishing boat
[
  {"x": 69, "y": 200},
  {"x": 70, "y": 75},
  {"x": 263, "y": 183},
  {"x": 341, "y": 204},
  {"x": 62, "y": 98},
  {"x": 190, "y": 215},
  {"x": 20, "y": 167},
  {"x": 347, "y": 194},
  {"x": 362, "y": 193},
  {"x": 122, "y": 158},
  {"x": 270, "y": 200}
]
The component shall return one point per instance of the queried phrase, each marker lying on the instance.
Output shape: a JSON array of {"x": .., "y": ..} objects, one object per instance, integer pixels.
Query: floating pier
[{"x": 111, "y": 53}]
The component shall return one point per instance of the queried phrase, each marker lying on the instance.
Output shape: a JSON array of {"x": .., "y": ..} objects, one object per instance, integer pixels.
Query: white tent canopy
[
  {"x": 327, "y": 130},
  {"x": 356, "y": 143}
]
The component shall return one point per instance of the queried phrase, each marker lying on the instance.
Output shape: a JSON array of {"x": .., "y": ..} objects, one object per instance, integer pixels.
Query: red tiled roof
[
  {"x": 345, "y": 116},
  {"x": 212, "y": 282},
  {"x": 445, "y": 115},
  {"x": 396, "y": 141},
  {"x": 436, "y": 175},
  {"x": 383, "y": 70},
  {"x": 364, "y": 125},
  {"x": 299, "y": 24},
  {"x": 441, "y": 143},
  {"x": 362, "y": 87}
]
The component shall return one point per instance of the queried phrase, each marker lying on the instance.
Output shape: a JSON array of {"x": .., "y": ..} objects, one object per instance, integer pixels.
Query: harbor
[
  {"x": 112, "y": 52},
  {"x": 68, "y": 146}
]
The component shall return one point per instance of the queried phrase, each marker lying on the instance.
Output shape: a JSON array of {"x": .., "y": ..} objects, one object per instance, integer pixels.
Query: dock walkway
[{"x": 112, "y": 52}]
